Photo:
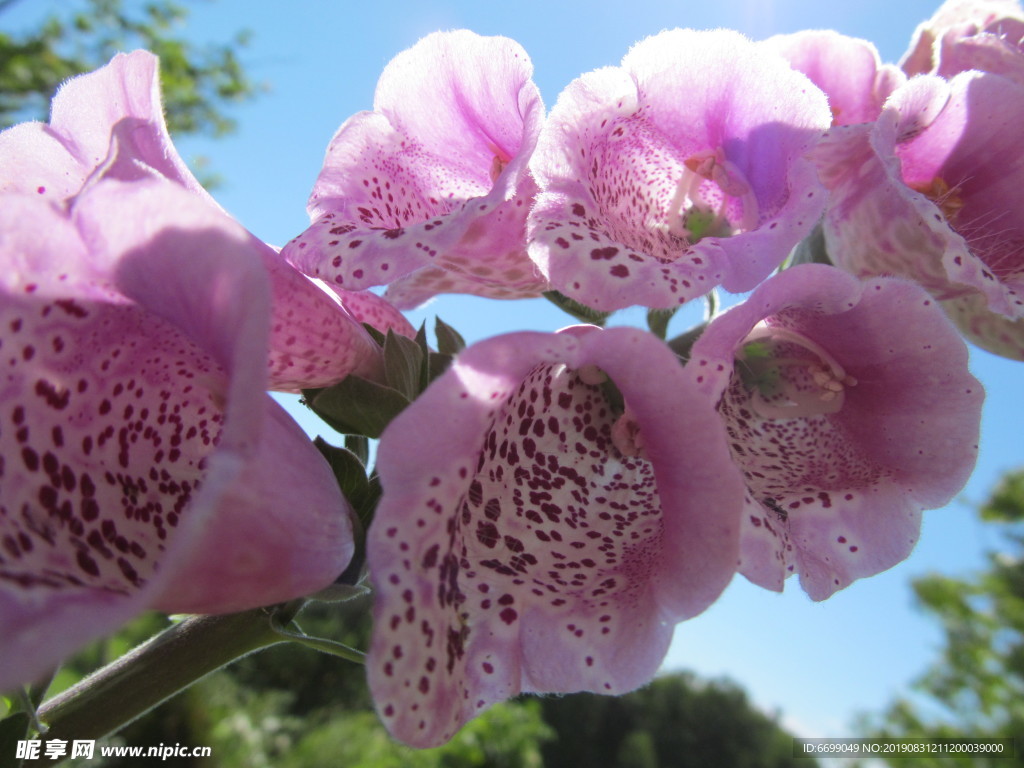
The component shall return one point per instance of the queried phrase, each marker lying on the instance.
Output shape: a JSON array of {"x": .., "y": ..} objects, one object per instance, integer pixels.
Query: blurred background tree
[
  {"x": 291, "y": 707},
  {"x": 975, "y": 689},
  {"x": 200, "y": 82}
]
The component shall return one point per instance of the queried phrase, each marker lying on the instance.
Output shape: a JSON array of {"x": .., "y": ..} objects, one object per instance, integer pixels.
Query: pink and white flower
[
  {"x": 538, "y": 532},
  {"x": 849, "y": 409},
  {"x": 109, "y": 124},
  {"x": 429, "y": 192},
  {"x": 144, "y": 465},
  {"x": 986, "y": 35},
  {"x": 930, "y": 192},
  {"x": 680, "y": 170}
]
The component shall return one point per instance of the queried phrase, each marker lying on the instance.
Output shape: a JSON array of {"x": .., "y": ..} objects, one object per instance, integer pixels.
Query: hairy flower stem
[{"x": 166, "y": 664}]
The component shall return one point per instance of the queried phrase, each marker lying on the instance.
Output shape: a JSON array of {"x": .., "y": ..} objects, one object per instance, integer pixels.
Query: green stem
[{"x": 132, "y": 685}]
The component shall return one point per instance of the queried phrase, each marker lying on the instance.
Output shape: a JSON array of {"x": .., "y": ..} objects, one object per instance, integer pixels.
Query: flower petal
[
  {"x": 435, "y": 177},
  {"x": 928, "y": 192},
  {"x": 125, "y": 95},
  {"x": 524, "y": 543},
  {"x": 835, "y": 490},
  {"x": 957, "y": 21},
  {"x": 676, "y": 172},
  {"x": 847, "y": 69},
  {"x": 137, "y": 426},
  {"x": 109, "y": 124}
]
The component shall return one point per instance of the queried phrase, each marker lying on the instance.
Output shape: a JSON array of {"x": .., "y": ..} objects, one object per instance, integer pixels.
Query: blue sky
[{"x": 818, "y": 664}]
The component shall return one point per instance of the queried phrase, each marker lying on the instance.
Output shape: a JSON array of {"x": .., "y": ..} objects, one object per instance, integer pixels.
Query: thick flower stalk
[
  {"x": 144, "y": 465},
  {"x": 109, "y": 124},
  {"x": 930, "y": 191},
  {"x": 429, "y": 192},
  {"x": 680, "y": 170},
  {"x": 552, "y": 506},
  {"x": 849, "y": 409}
]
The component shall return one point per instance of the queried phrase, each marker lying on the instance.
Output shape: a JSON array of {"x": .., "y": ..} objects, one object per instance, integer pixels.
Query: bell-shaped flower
[
  {"x": 931, "y": 191},
  {"x": 849, "y": 408},
  {"x": 986, "y": 35},
  {"x": 847, "y": 69},
  {"x": 143, "y": 464},
  {"x": 675, "y": 172},
  {"x": 553, "y": 505},
  {"x": 109, "y": 124},
  {"x": 429, "y": 192}
]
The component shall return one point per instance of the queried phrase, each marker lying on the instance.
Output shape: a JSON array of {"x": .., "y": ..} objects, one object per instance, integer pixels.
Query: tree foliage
[
  {"x": 975, "y": 689},
  {"x": 290, "y": 707},
  {"x": 79, "y": 36},
  {"x": 678, "y": 721}
]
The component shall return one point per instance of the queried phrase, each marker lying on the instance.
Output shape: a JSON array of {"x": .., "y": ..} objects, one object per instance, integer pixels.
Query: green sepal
[
  {"x": 360, "y": 446},
  {"x": 375, "y": 334},
  {"x": 339, "y": 593},
  {"x": 658, "y": 320},
  {"x": 437, "y": 363},
  {"x": 348, "y": 470},
  {"x": 449, "y": 341},
  {"x": 356, "y": 405},
  {"x": 403, "y": 365},
  {"x": 683, "y": 343},
  {"x": 321, "y": 644},
  {"x": 579, "y": 311},
  {"x": 810, "y": 250},
  {"x": 613, "y": 395},
  {"x": 362, "y": 492}
]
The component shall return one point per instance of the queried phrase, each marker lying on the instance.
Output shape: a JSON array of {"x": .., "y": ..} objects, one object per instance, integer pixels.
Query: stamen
[
  {"x": 627, "y": 437},
  {"x": 786, "y": 387},
  {"x": 691, "y": 218},
  {"x": 497, "y": 166},
  {"x": 591, "y": 374},
  {"x": 499, "y": 161},
  {"x": 947, "y": 198}
]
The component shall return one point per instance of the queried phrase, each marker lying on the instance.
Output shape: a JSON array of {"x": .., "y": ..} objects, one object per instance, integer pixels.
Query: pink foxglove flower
[
  {"x": 429, "y": 192},
  {"x": 970, "y": 34},
  {"x": 109, "y": 124},
  {"x": 680, "y": 170},
  {"x": 847, "y": 69},
  {"x": 144, "y": 465},
  {"x": 849, "y": 408},
  {"x": 930, "y": 192},
  {"x": 537, "y": 534}
]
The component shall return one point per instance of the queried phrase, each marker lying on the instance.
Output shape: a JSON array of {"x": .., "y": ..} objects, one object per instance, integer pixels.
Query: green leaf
[
  {"x": 12, "y": 730},
  {"x": 449, "y": 341},
  {"x": 403, "y": 361},
  {"x": 358, "y": 406},
  {"x": 1007, "y": 501},
  {"x": 579, "y": 311}
]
